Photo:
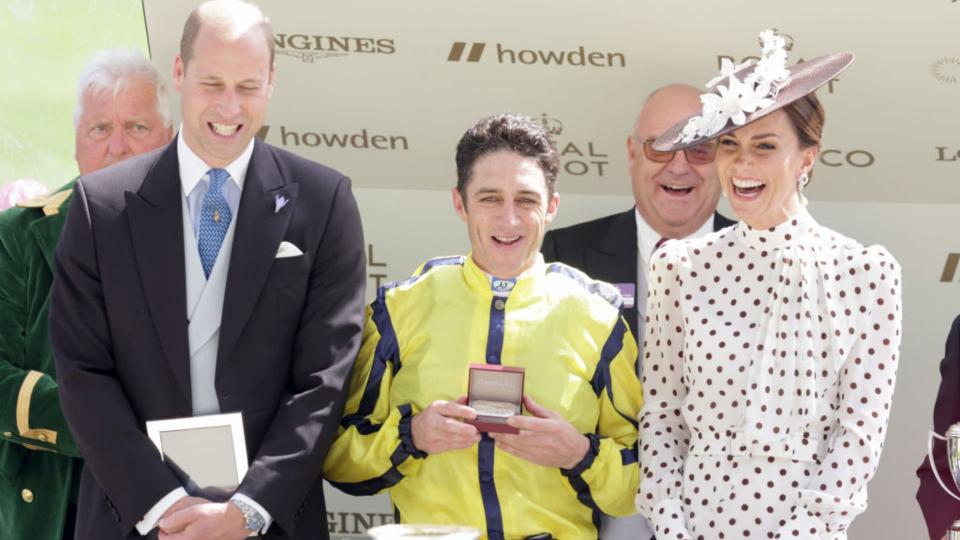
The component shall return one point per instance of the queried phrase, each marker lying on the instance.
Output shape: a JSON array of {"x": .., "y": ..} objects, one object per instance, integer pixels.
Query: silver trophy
[{"x": 953, "y": 458}]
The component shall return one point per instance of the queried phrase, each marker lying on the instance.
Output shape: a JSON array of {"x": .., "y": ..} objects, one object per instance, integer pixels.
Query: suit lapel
[
  {"x": 155, "y": 217},
  {"x": 615, "y": 259},
  {"x": 260, "y": 229}
]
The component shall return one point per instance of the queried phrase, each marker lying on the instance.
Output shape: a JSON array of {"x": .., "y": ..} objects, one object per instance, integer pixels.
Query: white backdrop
[{"x": 383, "y": 90}]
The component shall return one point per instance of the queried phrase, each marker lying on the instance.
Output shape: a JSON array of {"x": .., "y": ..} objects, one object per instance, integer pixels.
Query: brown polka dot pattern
[{"x": 769, "y": 365}]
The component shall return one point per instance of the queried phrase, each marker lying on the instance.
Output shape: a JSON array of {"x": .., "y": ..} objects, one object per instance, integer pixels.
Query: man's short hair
[
  {"x": 109, "y": 72},
  {"x": 225, "y": 13},
  {"x": 511, "y": 132}
]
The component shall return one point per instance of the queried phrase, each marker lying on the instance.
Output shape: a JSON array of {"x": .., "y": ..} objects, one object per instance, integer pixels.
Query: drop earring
[{"x": 802, "y": 183}]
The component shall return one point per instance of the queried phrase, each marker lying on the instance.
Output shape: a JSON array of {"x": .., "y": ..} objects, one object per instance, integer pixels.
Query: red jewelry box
[{"x": 496, "y": 393}]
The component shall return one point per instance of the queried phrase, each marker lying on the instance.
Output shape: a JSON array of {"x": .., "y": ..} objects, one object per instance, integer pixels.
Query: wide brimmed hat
[{"x": 745, "y": 93}]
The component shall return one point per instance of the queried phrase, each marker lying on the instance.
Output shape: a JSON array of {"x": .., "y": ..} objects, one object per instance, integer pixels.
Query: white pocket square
[{"x": 287, "y": 250}]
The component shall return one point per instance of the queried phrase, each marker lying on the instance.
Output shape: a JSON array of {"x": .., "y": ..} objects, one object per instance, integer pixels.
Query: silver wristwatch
[{"x": 254, "y": 521}]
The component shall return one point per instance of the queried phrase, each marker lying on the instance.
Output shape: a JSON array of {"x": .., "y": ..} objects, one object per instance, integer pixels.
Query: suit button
[
  {"x": 27, "y": 496},
  {"x": 499, "y": 304},
  {"x": 7, "y": 434}
]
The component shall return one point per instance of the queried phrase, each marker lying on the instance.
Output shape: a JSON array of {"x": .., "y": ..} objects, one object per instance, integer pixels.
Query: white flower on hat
[
  {"x": 726, "y": 104},
  {"x": 731, "y": 103},
  {"x": 727, "y": 69}
]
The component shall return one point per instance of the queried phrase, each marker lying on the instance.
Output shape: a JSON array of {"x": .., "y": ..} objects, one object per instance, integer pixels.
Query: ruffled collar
[{"x": 789, "y": 233}]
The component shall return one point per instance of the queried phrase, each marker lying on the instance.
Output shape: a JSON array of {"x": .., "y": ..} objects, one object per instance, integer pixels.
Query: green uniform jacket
[{"x": 39, "y": 460}]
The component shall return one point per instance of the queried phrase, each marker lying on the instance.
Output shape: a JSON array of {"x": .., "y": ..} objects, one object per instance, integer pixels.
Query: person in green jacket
[{"x": 122, "y": 110}]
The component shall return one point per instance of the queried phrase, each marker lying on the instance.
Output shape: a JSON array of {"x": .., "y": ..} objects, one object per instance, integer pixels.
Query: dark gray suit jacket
[
  {"x": 605, "y": 249},
  {"x": 290, "y": 332}
]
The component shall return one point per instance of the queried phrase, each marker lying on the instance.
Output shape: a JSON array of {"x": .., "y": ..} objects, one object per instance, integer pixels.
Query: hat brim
[{"x": 805, "y": 77}]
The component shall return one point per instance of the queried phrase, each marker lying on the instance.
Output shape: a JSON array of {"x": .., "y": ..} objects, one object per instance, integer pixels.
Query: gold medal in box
[{"x": 496, "y": 393}]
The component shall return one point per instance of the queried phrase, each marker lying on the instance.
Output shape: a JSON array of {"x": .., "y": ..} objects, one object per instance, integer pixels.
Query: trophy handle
[{"x": 933, "y": 464}]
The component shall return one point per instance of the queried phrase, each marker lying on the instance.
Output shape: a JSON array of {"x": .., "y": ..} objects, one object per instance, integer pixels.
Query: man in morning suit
[
  {"x": 121, "y": 111},
  {"x": 218, "y": 274},
  {"x": 676, "y": 196},
  {"x": 939, "y": 509}
]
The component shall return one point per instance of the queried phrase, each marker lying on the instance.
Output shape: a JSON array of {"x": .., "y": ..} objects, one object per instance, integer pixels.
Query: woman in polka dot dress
[{"x": 771, "y": 346}]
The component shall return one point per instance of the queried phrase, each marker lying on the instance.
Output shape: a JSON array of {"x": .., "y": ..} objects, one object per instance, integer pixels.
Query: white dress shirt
[{"x": 194, "y": 184}]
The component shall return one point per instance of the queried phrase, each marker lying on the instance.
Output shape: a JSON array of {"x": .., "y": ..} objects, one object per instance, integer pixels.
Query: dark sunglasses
[{"x": 700, "y": 154}]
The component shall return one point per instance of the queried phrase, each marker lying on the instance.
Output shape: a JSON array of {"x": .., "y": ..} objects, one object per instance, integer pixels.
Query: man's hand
[
  {"x": 205, "y": 521},
  {"x": 183, "y": 502},
  {"x": 546, "y": 438},
  {"x": 438, "y": 428}
]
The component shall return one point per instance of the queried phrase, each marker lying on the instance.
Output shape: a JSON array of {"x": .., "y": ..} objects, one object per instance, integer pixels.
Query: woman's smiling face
[{"x": 759, "y": 165}]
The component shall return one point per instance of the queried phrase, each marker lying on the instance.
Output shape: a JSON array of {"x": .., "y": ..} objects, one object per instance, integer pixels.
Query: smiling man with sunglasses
[{"x": 676, "y": 196}]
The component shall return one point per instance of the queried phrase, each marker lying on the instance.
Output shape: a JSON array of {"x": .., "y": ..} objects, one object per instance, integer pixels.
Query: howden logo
[
  {"x": 579, "y": 57},
  {"x": 357, "y": 140},
  {"x": 456, "y": 52}
]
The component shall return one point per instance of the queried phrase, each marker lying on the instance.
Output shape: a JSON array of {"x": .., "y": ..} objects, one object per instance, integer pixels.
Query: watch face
[{"x": 254, "y": 521}]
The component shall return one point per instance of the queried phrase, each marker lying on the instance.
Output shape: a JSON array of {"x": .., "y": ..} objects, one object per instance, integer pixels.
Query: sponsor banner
[
  {"x": 348, "y": 517},
  {"x": 578, "y": 57},
  {"x": 385, "y": 98}
]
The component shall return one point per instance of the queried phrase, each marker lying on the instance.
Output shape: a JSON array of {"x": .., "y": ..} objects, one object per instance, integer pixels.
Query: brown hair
[
  {"x": 507, "y": 132},
  {"x": 807, "y": 118},
  {"x": 223, "y": 11}
]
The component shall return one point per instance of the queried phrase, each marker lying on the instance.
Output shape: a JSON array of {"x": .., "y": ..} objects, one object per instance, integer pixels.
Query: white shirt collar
[
  {"x": 647, "y": 237},
  {"x": 193, "y": 168}
]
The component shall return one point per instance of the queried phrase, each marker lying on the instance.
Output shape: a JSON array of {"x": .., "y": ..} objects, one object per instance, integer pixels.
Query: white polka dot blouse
[{"x": 769, "y": 366}]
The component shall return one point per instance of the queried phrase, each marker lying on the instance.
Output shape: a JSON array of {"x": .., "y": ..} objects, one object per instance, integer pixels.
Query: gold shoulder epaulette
[
  {"x": 50, "y": 203},
  {"x": 36, "y": 202}
]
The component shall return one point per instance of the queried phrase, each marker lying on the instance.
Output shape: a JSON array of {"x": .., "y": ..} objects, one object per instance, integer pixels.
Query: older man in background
[
  {"x": 121, "y": 111},
  {"x": 675, "y": 196}
]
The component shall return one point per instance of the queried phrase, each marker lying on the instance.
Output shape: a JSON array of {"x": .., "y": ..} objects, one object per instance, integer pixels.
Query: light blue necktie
[{"x": 214, "y": 219}]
